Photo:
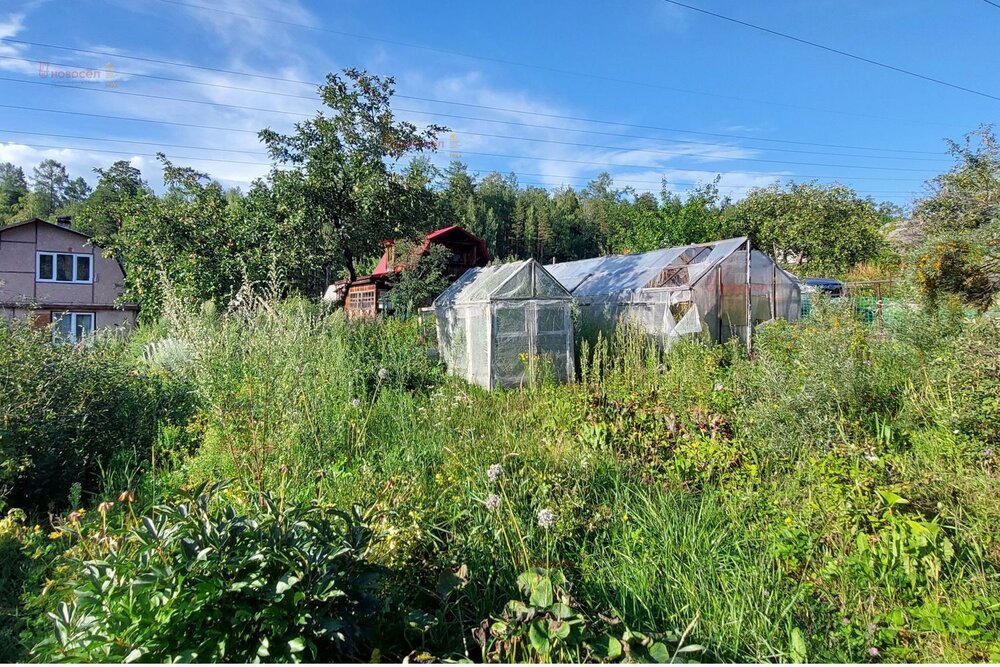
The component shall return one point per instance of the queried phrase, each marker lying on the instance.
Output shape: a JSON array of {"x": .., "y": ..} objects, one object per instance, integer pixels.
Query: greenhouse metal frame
[
  {"x": 506, "y": 325},
  {"x": 720, "y": 290}
]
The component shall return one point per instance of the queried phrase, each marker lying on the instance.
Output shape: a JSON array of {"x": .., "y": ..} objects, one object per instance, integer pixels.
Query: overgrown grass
[{"x": 833, "y": 498}]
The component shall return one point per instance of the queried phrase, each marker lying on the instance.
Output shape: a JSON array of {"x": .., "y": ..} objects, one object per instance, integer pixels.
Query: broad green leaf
[
  {"x": 659, "y": 653},
  {"x": 539, "y": 639},
  {"x": 891, "y": 499},
  {"x": 561, "y": 611},
  {"x": 607, "y": 647},
  {"x": 541, "y": 595},
  {"x": 286, "y": 581},
  {"x": 297, "y": 645}
]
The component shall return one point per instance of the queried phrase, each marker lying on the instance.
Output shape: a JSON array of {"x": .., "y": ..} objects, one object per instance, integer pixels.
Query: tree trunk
[{"x": 349, "y": 263}]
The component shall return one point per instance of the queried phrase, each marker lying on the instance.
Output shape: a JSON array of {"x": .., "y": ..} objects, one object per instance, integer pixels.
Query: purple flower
[
  {"x": 873, "y": 652},
  {"x": 492, "y": 502},
  {"x": 494, "y": 472}
]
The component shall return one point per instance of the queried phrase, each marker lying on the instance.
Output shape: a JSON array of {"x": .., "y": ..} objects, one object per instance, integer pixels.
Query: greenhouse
[
  {"x": 506, "y": 325},
  {"x": 718, "y": 290}
]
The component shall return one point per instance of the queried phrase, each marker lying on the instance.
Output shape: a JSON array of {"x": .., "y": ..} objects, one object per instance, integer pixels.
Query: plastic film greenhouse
[
  {"x": 720, "y": 290},
  {"x": 506, "y": 325}
]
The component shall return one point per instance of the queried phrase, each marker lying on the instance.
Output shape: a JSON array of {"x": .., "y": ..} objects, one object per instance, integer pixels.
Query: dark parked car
[{"x": 827, "y": 286}]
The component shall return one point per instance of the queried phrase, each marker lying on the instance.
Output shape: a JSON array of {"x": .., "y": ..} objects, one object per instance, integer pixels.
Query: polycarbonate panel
[
  {"x": 619, "y": 274},
  {"x": 733, "y": 288},
  {"x": 762, "y": 271},
  {"x": 787, "y": 297},
  {"x": 705, "y": 295}
]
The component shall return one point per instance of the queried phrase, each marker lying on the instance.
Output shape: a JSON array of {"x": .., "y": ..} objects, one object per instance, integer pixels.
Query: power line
[
  {"x": 473, "y": 118},
  {"x": 132, "y": 141},
  {"x": 670, "y": 182},
  {"x": 623, "y": 124},
  {"x": 647, "y": 167},
  {"x": 276, "y": 111},
  {"x": 565, "y": 143},
  {"x": 157, "y": 61},
  {"x": 604, "y": 165},
  {"x": 173, "y": 79},
  {"x": 990, "y": 2},
  {"x": 154, "y": 97},
  {"x": 695, "y": 155},
  {"x": 503, "y": 61},
  {"x": 439, "y": 114},
  {"x": 830, "y": 49},
  {"x": 399, "y": 95},
  {"x": 464, "y": 104},
  {"x": 175, "y": 157}
]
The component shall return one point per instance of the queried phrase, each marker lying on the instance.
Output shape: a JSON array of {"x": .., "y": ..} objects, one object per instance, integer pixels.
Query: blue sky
[{"x": 674, "y": 93}]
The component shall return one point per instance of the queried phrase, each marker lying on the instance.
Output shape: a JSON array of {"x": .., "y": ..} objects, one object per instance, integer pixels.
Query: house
[
  {"x": 52, "y": 274},
  {"x": 366, "y": 296},
  {"x": 719, "y": 290}
]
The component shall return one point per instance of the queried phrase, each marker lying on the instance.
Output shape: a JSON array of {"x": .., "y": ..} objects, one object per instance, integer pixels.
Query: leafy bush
[
  {"x": 67, "y": 411},
  {"x": 196, "y": 581},
  {"x": 548, "y": 628}
]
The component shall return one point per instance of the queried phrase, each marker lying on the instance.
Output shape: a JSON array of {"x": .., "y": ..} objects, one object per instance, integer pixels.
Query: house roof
[
  {"x": 382, "y": 268},
  {"x": 46, "y": 222},
  {"x": 615, "y": 274}
]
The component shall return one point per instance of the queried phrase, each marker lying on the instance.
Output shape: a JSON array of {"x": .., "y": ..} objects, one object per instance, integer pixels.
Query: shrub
[
  {"x": 66, "y": 411},
  {"x": 549, "y": 627},
  {"x": 195, "y": 581}
]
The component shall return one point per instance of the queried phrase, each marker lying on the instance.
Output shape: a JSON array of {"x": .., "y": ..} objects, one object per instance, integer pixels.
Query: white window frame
[
  {"x": 54, "y": 256},
  {"x": 57, "y": 335}
]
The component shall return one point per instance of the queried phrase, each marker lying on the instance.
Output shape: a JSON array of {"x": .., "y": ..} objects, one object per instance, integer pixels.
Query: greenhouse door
[
  {"x": 512, "y": 345},
  {"x": 551, "y": 337},
  {"x": 530, "y": 340}
]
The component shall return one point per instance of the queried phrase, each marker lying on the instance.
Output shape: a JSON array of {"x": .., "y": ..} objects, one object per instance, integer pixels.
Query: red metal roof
[{"x": 382, "y": 268}]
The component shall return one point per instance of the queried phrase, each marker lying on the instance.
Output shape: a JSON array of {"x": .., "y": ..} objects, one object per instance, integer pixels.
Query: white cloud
[
  {"x": 10, "y": 26},
  {"x": 541, "y": 136},
  {"x": 554, "y": 150}
]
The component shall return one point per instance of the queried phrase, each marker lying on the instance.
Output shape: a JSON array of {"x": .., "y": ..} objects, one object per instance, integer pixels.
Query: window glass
[
  {"x": 64, "y": 268},
  {"x": 83, "y": 268},
  {"x": 45, "y": 267},
  {"x": 63, "y": 331},
  {"x": 84, "y": 325}
]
